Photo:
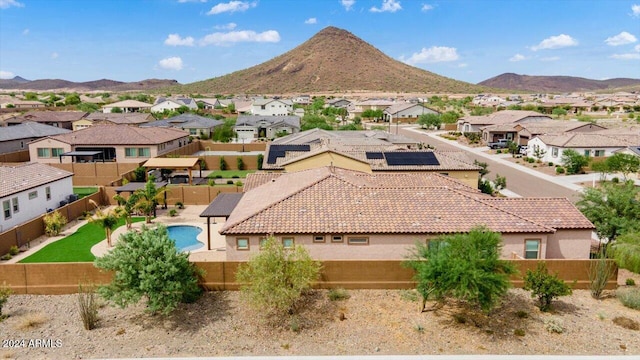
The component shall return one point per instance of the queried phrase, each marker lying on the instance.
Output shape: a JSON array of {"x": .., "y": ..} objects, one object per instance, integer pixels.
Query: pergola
[
  {"x": 221, "y": 206},
  {"x": 174, "y": 164},
  {"x": 75, "y": 154}
]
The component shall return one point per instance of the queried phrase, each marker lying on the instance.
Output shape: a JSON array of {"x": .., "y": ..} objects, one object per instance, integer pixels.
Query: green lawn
[
  {"x": 228, "y": 174},
  {"x": 84, "y": 191},
  {"x": 75, "y": 247}
]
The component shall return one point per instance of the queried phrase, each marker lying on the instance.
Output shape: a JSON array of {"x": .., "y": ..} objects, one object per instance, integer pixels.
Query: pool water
[{"x": 185, "y": 236}]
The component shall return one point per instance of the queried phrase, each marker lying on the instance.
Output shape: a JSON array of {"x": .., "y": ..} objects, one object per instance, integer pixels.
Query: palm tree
[
  {"x": 147, "y": 199},
  {"x": 125, "y": 207},
  {"x": 106, "y": 219}
]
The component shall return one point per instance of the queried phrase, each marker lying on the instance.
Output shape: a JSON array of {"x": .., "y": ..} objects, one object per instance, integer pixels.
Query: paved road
[{"x": 519, "y": 182}]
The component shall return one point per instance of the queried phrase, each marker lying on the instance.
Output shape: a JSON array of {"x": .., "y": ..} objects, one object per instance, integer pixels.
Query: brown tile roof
[
  {"x": 15, "y": 179},
  {"x": 589, "y": 140},
  {"x": 120, "y": 135},
  {"x": 332, "y": 200},
  {"x": 557, "y": 213},
  {"x": 49, "y": 116},
  {"x": 256, "y": 179},
  {"x": 502, "y": 117},
  {"x": 121, "y": 118}
]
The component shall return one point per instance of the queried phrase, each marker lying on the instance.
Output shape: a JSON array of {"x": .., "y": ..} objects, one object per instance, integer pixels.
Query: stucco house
[
  {"x": 18, "y": 137},
  {"x": 127, "y": 106},
  {"x": 196, "y": 125},
  {"x": 29, "y": 190},
  {"x": 591, "y": 144},
  {"x": 406, "y": 113},
  {"x": 59, "y": 119},
  {"x": 338, "y": 103},
  {"x": 112, "y": 118},
  {"x": 161, "y": 104},
  {"x": 253, "y": 126},
  {"x": 271, "y": 107},
  {"x": 122, "y": 143},
  {"x": 471, "y": 124},
  {"x": 21, "y": 104},
  {"x": 361, "y": 106},
  {"x": 343, "y": 214}
]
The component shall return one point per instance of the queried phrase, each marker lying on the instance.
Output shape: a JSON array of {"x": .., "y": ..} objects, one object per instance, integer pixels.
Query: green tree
[
  {"x": 539, "y": 153},
  {"x": 559, "y": 112},
  {"x": 623, "y": 163},
  {"x": 116, "y": 110},
  {"x": 72, "y": 99},
  {"x": 626, "y": 251},
  {"x": 450, "y": 117},
  {"x": 614, "y": 209},
  {"x": 276, "y": 277},
  {"x": 147, "y": 198},
  {"x": 430, "y": 121},
  {"x": 106, "y": 219},
  {"x": 314, "y": 121},
  {"x": 148, "y": 265},
  {"x": 127, "y": 205},
  {"x": 140, "y": 174},
  {"x": 545, "y": 286},
  {"x": 260, "y": 161},
  {"x": 31, "y": 96},
  {"x": 53, "y": 223},
  {"x": 224, "y": 132},
  {"x": 87, "y": 107},
  {"x": 574, "y": 162},
  {"x": 223, "y": 163},
  {"x": 462, "y": 266},
  {"x": 240, "y": 163}
]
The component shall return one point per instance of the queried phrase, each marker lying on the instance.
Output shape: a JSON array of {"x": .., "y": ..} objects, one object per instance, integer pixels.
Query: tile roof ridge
[{"x": 488, "y": 203}]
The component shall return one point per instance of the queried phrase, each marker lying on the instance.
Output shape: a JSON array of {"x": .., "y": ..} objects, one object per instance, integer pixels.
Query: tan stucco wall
[
  {"x": 513, "y": 244},
  {"x": 327, "y": 159},
  {"x": 569, "y": 244},
  {"x": 81, "y": 124},
  {"x": 48, "y": 143}
]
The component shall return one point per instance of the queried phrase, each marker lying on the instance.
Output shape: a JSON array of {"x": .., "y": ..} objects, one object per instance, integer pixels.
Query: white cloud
[
  {"x": 348, "y": 4},
  {"x": 433, "y": 54},
  {"x": 636, "y": 48},
  {"x": 25, "y": 32},
  {"x": 635, "y": 10},
  {"x": 555, "y": 42},
  {"x": 311, "y": 21},
  {"x": 5, "y": 4},
  {"x": 232, "y": 6},
  {"x": 54, "y": 55},
  {"x": 551, "y": 58},
  {"x": 6, "y": 74},
  {"x": 630, "y": 56},
  {"x": 517, "y": 57},
  {"x": 426, "y": 7},
  {"x": 388, "y": 6},
  {"x": 176, "y": 40},
  {"x": 220, "y": 38},
  {"x": 623, "y": 38},
  {"x": 229, "y": 26},
  {"x": 172, "y": 63}
]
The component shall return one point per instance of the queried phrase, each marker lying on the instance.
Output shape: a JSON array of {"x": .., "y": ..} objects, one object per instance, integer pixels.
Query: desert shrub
[
  {"x": 88, "y": 306},
  {"x": 240, "y": 163},
  {"x": 148, "y": 264},
  {"x": 559, "y": 170},
  {"x": 630, "y": 282},
  {"x": 173, "y": 212},
  {"x": 338, "y": 294},
  {"x": 553, "y": 325},
  {"x": 545, "y": 286},
  {"x": 5, "y": 292},
  {"x": 239, "y": 183},
  {"x": 218, "y": 176},
  {"x": 626, "y": 323},
  {"x": 179, "y": 205},
  {"x": 521, "y": 314},
  {"x": 13, "y": 250},
  {"x": 53, "y": 223},
  {"x": 498, "y": 151},
  {"x": 600, "y": 271},
  {"x": 274, "y": 279},
  {"x": 419, "y": 328},
  {"x": 615, "y": 180},
  {"x": 31, "y": 320},
  {"x": 550, "y": 163},
  {"x": 229, "y": 182},
  {"x": 519, "y": 332},
  {"x": 223, "y": 163},
  {"x": 6, "y": 257},
  {"x": 409, "y": 295},
  {"x": 500, "y": 182},
  {"x": 211, "y": 182},
  {"x": 235, "y": 177},
  {"x": 629, "y": 297},
  {"x": 531, "y": 160}
]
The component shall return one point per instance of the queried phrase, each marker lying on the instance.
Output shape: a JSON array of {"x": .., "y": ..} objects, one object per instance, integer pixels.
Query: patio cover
[
  {"x": 221, "y": 206},
  {"x": 81, "y": 153},
  {"x": 174, "y": 163}
]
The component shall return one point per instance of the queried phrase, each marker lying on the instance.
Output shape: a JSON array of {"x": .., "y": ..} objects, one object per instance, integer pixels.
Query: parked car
[{"x": 500, "y": 144}]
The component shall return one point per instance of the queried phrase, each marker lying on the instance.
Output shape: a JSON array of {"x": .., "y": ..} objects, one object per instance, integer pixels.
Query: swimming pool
[{"x": 185, "y": 236}]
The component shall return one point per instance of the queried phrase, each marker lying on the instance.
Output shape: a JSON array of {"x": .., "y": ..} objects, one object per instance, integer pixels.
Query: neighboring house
[
  {"x": 528, "y": 130},
  {"x": 112, "y": 118},
  {"x": 252, "y": 126},
  {"x": 59, "y": 119},
  {"x": 366, "y": 151},
  {"x": 474, "y": 124},
  {"x": 17, "y": 137},
  {"x": 591, "y": 144},
  {"x": 302, "y": 100},
  {"x": 631, "y": 150},
  {"x": 161, "y": 104},
  {"x": 343, "y": 214},
  {"x": 362, "y": 106},
  {"x": 122, "y": 143},
  {"x": 29, "y": 190},
  {"x": 196, "y": 125},
  {"x": 406, "y": 113},
  {"x": 338, "y": 103},
  {"x": 127, "y": 106},
  {"x": 21, "y": 104},
  {"x": 243, "y": 107},
  {"x": 209, "y": 104},
  {"x": 271, "y": 107},
  {"x": 92, "y": 100}
]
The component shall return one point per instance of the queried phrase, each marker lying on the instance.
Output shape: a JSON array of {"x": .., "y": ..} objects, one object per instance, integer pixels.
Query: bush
[
  {"x": 629, "y": 297},
  {"x": 179, "y": 205},
  {"x": 229, "y": 182},
  {"x": 88, "y": 306},
  {"x": 630, "y": 282},
  {"x": 626, "y": 323},
  {"x": 554, "y": 326},
  {"x": 148, "y": 264},
  {"x": 274, "y": 280},
  {"x": 559, "y": 170},
  {"x": 550, "y": 163},
  {"x": 173, "y": 212},
  {"x": 53, "y": 223},
  {"x": 519, "y": 332},
  {"x": 545, "y": 286},
  {"x": 5, "y": 292},
  {"x": 6, "y": 257},
  {"x": 338, "y": 294},
  {"x": 498, "y": 151},
  {"x": 13, "y": 250},
  {"x": 223, "y": 164},
  {"x": 218, "y": 176},
  {"x": 574, "y": 162},
  {"x": 600, "y": 271},
  {"x": 239, "y": 183},
  {"x": 531, "y": 160},
  {"x": 211, "y": 182},
  {"x": 240, "y": 163},
  {"x": 235, "y": 177}
]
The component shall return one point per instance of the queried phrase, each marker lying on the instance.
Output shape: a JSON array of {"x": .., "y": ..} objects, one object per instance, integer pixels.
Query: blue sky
[{"x": 192, "y": 40}]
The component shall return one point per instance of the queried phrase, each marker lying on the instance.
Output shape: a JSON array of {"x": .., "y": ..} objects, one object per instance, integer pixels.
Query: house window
[
  {"x": 599, "y": 153},
  {"x": 55, "y": 152},
  {"x": 336, "y": 239},
  {"x": 21, "y": 144},
  {"x": 554, "y": 152},
  {"x": 6, "y": 207},
  {"x": 287, "y": 242},
  {"x": 531, "y": 249},
  {"x": 193, "y": 131},
  {"x": 587, "y": 153},
  {"x": 242, "y": 244},
  {"x": 47, "y": 192},
  {"x": 137, "y": 152},
  {"x": 16, "y": 207},
  {"x": 262, "y": 242},
  {"x": 360, "y": 240},
  {"x": 318, "y": 238},
  {"x": 33, "y": 195},
  {"x": 43, "y": 153}
]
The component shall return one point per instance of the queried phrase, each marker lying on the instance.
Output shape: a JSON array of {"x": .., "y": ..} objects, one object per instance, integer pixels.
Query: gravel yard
[{"x": 374, "y": 322}]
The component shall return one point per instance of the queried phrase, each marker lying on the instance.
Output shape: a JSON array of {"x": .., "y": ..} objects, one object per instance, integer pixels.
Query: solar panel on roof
[
  {"x": 396, "y": 158},
  {"x": 374, "y": 155},
  {"x": 276, "y": 151}
]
